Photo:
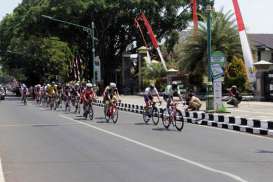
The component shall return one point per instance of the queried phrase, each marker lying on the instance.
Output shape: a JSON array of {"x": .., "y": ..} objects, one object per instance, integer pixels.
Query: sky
[{"x": 256, "y": 13}]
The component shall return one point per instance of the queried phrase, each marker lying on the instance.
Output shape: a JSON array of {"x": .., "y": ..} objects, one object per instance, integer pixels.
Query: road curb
[{"x": 248, "y": 125}]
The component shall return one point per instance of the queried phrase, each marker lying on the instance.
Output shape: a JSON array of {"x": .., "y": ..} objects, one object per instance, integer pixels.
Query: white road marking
[
  {"x": 230, "y": 175},
  {"x": 2, "y": 179}
]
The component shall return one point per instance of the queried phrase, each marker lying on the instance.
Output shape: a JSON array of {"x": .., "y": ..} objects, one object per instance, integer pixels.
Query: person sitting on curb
[
  {"x": 235, "y": 96},
  {"x": 194, "y": 103}
]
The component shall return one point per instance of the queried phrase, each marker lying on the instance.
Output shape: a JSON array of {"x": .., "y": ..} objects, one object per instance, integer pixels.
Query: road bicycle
[
  {"x": 88, "y": 110},
  {"x": 151, "y": 111},
  {"x": 51, "y": 102},
  {"x": 67, "y": 106},
  {"x": 58, "y": 102},
  {"x": 111, "y": 113},
  {"x": 77, "y": 105},
  {"x": 25, "y": 99},
  {"x": 171, "y": 115}
]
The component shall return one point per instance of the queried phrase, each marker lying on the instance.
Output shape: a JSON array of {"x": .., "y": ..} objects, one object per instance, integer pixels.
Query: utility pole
[
  {"x": 93, "y": 51},
  {"x": 209, "y": 7},
  {"x": 89, "y": 31}
]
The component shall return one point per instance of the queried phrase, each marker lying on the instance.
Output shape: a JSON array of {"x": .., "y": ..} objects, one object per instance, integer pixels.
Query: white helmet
[
  {"x": 174, "y": 82},
  {"x": 89, "y": 85},
  {"x": 113, "y": 85}
]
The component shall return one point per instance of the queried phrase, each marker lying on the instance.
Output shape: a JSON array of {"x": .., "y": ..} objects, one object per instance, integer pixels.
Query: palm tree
[{"x": 192, "y": 53}]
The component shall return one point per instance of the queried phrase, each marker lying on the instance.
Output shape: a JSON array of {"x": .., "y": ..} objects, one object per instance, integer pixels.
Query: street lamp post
[{"x": 89, "y": 31}]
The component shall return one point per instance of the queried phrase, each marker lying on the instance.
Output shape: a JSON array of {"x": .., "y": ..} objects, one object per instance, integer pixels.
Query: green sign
[{"x": 217, "y": 65}]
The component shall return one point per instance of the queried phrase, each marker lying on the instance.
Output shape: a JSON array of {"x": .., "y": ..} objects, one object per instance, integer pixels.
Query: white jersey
[
  {"x": 169, "y": 91},
  {"x": 151, "y": 92}
]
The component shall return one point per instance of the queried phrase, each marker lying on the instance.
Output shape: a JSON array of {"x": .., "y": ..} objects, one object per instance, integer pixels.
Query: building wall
[{"x": 266, "y": 55}]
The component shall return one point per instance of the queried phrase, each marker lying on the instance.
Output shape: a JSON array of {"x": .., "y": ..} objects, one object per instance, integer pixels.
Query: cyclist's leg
[{"x": 146, "y": 100}]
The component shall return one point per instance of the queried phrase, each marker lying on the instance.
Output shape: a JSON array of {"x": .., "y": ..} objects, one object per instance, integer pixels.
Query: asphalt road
[{"x": 38, "y": 145}]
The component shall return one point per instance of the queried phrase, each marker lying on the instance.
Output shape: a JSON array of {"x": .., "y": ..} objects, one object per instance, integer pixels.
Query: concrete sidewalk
[{"x": 246, "y": 109}]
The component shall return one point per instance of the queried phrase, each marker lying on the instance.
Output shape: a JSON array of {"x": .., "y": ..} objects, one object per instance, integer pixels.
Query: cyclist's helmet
[
  {"x": 89, "y": 85},
  {"x": 152, "y": 86},
  {"x": 113, "y": 85},
  {"x": 174, "y": 85}
]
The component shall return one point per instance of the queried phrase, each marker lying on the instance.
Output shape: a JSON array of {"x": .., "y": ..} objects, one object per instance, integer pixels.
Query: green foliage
[
  {"x": 154, "y": 73},
  {"x": 235, "y": 74},
  {"x": 26, "y": 32},
  {"x": 192, "y": 54},
  {"x": 36, "y": 59}
]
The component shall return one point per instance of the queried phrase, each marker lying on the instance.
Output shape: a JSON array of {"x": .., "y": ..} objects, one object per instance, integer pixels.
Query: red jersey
[{"x": 88, "y": 94}]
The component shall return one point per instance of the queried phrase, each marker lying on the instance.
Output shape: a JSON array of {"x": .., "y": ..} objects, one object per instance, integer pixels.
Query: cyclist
[
  {"x": 37, "y": 92},
  {"x": 50, "y": 92},
  {"x": 67, "y": 94},
  {"x": 110, "y": 95},
  {"x": 24, "y": 92},
  {"x": 88, "y": 96},
  {"x": 150, "y": 91},
  {"x": 171, "y": 91}
]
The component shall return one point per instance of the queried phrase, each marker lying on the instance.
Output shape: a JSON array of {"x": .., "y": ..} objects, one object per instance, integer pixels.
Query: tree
[
  {"x": 113, "y": 20},
  {"x": 154, "y": 73},
  {"x": 193, "y": 52}
]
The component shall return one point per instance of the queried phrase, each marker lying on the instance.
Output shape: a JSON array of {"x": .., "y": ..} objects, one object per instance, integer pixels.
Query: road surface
[{"x": 38, "y": 145}]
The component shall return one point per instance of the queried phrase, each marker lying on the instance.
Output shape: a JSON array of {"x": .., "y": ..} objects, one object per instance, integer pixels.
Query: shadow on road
[
  {"x": 44, "y": 125},
  {"x": 80, "y": 119},
  {"x": 142, "y": 124},
  {"x": 164, "y": 129},
  {"x": 99, "y": 117},
  {"x": 103, "y": 122},
  {"x": 265, "y": 152}
]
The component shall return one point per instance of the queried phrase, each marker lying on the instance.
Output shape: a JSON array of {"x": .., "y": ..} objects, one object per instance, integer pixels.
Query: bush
[{"x": 235, "y": 74}]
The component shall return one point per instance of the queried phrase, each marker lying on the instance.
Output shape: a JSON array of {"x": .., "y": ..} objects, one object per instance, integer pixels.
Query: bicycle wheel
[
  {"x": 165, "y": 119},
  {"x": 155, "y": 115},
  {"x": 91, "y": 113},
  {"x": 51, "y": 104},
  {"x": 146, "y": 115},
  {"x": 106, "y": 114},
  {"x": 114, "y": 116},
  {"x": 179, "y": 120}
]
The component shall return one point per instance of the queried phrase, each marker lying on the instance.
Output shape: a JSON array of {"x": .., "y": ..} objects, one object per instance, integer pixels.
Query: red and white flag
[
  {"x": 194, "y": 15},
  {"x": 244, "y": 42},
  {"x": 153, "y": 38}
]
